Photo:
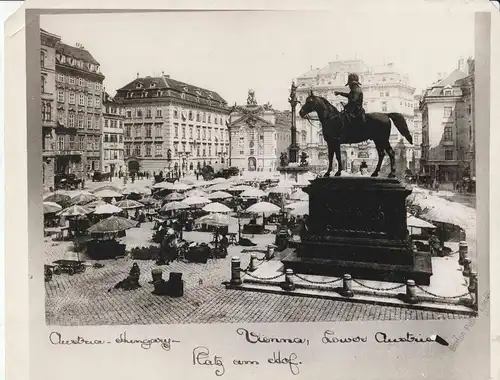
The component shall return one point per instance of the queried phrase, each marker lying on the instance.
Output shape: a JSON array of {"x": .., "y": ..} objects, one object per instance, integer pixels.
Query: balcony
[
  {"x": 48, "y": 123},
  {"x": 60, "y": 130},
  {"x": 67, "y": 152}
]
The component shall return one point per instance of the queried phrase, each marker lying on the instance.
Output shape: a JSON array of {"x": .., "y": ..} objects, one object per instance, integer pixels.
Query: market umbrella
[
  {"x": 216, "y": 207},
  {"x": 136, "y": 190},
  {"x": 94, "y": 204},
  {"x": 187, "y": 181},
  {"x": 174, "y": 197},
  {"x": 263, "y": 207},
  {"x": 219, "y": 195},
  {"x": 83, "y": 199},
  {"x": 74, "y": 210},
  {"x": 51, "y": 207},
  {"x": 57, "y": 198},
  {"x": 173, "y": 206},
  {"x": 295, "y": 205},
  {"x": 218, "y": 180},
  {"x": 163, "y": 185},
  {"x": 107, "y": 187},
  {"x": 219, "y": 186},
  {"x": 196, "y": 201},
  {"x": 217, "y": 220},
  {"x": 112, "y": 224},
  {"x": 302, "y": 209},
  {"x": 299, "y": 196},
  {"x": 197, "y": 193},
  {"x": 107, "y": 209},
  {"x": 129, "y": 204},
  {"x": 241, "y": 188},
  {"x": 279, "y": 190},
  {"x": 180, "y": 186},
  {"x": 413, "y": 221},
  {"x": 148, "y": 201},
  {"x": 107, "y": 193},
  {"x": 254, "y": 193}
]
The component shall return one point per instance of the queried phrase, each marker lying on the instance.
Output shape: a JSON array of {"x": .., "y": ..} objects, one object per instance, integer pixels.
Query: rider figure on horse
[{"x": 354, "y": 110}]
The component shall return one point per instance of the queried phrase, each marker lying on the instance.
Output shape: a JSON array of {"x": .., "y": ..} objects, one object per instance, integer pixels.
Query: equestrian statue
[{"x": 353, "y": 125}]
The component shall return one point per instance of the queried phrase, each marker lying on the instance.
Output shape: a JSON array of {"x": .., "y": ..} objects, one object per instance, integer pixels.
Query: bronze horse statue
[{"x": 376, "y": 128}]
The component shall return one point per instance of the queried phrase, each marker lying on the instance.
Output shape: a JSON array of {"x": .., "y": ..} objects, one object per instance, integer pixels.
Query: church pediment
[{"x": 251, "y": 121}]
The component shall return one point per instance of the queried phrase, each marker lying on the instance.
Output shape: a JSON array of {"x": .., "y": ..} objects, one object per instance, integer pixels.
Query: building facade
[
  {"x": 112, "y": 136},
  {"x": 385, "y": 90},
  {"x": 448, "y": 146},
  {"x": 48, "y": 105},
  {"x": 417, "y": 136},
  {"x": 171, "y": 126},
  {"x": 79, "y": 111},
  {"x": 258, "y": 136}
]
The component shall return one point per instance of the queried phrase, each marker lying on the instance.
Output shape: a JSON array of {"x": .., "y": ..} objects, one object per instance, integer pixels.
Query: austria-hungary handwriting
[{"x": 56, "y": 338}]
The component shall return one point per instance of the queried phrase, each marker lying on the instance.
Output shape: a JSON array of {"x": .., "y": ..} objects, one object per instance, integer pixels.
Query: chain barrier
[
  {"x": 262, "y": 278},
  {"x": 380, "y": 289},
  {"x": 443, "y": 297},
  {"x": 317, "y": 282}
]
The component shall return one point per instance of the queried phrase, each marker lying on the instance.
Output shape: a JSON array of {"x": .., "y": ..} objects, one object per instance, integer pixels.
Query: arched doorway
[
  {"x": 252, "y": 164},
  {"x": 133, "y": 166}
]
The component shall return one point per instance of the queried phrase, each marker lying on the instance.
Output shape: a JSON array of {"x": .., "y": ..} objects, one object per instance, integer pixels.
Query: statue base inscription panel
[{"x": 357, "y": 225}]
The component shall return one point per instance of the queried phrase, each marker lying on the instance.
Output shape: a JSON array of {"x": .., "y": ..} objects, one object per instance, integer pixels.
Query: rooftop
[{"x": 75, "y": 52}]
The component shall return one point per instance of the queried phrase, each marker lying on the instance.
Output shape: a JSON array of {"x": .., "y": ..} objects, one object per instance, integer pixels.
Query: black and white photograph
[{"x": 239, "y": 167}]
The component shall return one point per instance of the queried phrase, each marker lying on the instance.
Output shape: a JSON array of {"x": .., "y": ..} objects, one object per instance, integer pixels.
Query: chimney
[
  {"x": 137, "y": 75},
  {"x": 311, "y": 67},
  {"x": 461, "y": 65},
  {"x": 162, "y": 72}
]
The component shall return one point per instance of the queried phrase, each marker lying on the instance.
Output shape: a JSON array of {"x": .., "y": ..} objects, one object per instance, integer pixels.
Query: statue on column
[
  {"x": 283, "y": 159},
  {"x": 303, "y": 159},
  {"x": 251, "y": 101},
  {"x": 293, "y": 93}
]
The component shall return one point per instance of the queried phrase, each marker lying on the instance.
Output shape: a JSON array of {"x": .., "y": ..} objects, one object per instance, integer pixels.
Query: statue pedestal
[
  {"x": 293, "y": 173},
  {"x": 357, "y": 225}
]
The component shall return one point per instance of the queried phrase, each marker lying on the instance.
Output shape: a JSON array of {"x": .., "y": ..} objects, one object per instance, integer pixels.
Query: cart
[{"x": 69, "y": 266}]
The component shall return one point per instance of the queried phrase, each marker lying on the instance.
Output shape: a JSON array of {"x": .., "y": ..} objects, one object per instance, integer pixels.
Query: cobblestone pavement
[{"x": 85, "y": 299}]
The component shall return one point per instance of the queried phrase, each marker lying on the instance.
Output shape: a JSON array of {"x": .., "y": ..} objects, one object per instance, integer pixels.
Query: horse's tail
[{"x": 400, "y": 123}]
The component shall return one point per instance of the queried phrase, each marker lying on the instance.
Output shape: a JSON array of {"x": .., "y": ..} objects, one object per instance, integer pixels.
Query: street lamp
[{"x": 294, "y": 147}]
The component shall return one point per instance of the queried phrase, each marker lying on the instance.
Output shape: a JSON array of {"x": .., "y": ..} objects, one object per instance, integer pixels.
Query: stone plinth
[
  {"x": 357, "y": 225},
  {"x": 293, "y": 173}
]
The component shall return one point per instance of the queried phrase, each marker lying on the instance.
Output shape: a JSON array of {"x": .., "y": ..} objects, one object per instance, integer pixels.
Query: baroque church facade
[{"x": 258, "y": 135}]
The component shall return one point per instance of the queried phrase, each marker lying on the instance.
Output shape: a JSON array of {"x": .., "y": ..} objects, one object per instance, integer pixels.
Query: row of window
[
  {"x": 138, "y": 131},
  {"x": 112, "y": 137},
  {"x": 113, "y": 123},
  {"x": 137, "y": 150},
  {"x": 77, "y": 63},
  {"x": 72, "y": 99},
  {"x": 74, "y": 121},
  {"x": 139, "y": 112},
  {"x": 113, "y": 154},
  {"x": 79, "y": 143},
  {"x": 200, "y": 117},
  {"x": 219, "y": 134},
  {"x": 81, "y": 82}
]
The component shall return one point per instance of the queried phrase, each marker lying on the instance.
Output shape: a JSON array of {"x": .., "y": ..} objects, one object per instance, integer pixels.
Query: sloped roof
[
  {"x": 164, "y": 82},
  {"x": 76, "y": 53},
  {"x": 451, "y": 79}
]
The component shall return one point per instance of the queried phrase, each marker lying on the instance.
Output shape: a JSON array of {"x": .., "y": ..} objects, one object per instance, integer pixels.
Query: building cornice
[
  {"x": 168, "y": 101},
  {"x": 66, "y": 69}
]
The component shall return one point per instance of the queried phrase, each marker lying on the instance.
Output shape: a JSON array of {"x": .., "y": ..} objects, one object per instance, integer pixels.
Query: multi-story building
[
  {"x": 417, "y": 136},
  {"x": 112, "y": 136},
  {"x": 48, "y": 104},
  {"x": 172, "y": 126},
  {"x": 448, "y": 149},
  {"x": 79, "y": 112},
  {"x": 259, "y": 135},
  {"x": 385, "y": 90}
]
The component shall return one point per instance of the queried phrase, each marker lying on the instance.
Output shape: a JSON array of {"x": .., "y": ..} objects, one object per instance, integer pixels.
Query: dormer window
[
  {"x": 152, "y": 85},
  {"x": 138, "y": 85},
  {"x": 63, "y": 59},
  {"x": 448, "y": 91},
  {"x": 185, "y": 89}
]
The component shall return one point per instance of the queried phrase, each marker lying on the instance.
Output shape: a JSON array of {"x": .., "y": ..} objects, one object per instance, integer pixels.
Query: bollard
[
  {"x": 289, "y": 284},
  {"x": 253, "y": 262},
  {"x": 411, "y": 296},
  {"x": 236, "y": 271},
  {"x": 467, "y": 267},
  {"x": 270, "y": 252},
  {"x": 473, "y": 289},
  {"x": 156, "y": 274},
  {"x": 347, "y": 286},
  {"x": 462, "y": 252}
]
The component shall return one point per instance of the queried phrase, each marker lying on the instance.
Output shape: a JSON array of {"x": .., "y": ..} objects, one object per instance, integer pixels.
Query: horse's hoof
[
  {"x": 374, "y": 174},
  {"x": 391, "y": 175},
  {"x": 337, "y": 174},
  {"x": 327, "y": 174}
]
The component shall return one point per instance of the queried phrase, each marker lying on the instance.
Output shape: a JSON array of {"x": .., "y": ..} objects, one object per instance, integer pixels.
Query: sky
[{"x": 231, "y": 52}]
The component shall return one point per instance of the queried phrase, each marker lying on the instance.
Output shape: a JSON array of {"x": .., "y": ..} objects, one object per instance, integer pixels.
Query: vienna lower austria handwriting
[
  {"x": 56, "y": 338},
  {"x": 330, "y": 336}
]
